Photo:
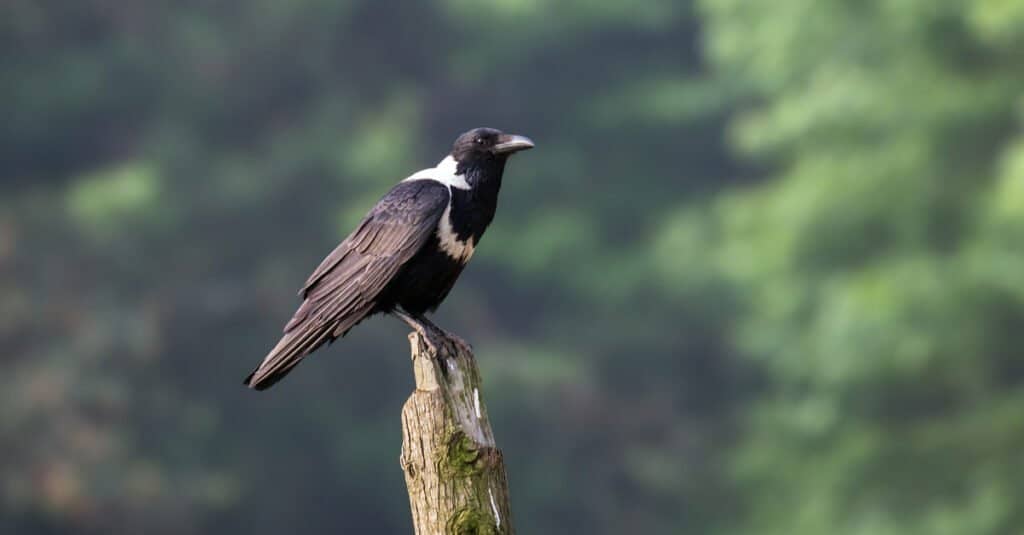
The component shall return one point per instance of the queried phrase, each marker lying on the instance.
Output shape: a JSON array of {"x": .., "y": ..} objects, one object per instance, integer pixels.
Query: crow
[{"x": 403, "y": 257}]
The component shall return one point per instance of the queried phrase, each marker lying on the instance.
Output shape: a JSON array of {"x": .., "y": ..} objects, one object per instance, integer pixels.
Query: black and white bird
[{"x": 404, "y": 257}]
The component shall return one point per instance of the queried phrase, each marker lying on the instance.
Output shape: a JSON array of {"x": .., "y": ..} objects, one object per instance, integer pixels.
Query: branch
[{"x": 454, "y": 472}]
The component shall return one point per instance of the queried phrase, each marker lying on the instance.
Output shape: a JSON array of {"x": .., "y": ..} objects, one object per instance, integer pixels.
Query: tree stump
[{"x": 454, "y": 472}]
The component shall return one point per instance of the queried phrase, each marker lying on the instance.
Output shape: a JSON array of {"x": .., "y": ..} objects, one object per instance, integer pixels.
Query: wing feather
[{"x": 343, "y": 289}]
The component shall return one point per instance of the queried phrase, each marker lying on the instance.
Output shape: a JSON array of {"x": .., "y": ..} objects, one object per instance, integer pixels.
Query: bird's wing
[{"x": 343, "y": 289}]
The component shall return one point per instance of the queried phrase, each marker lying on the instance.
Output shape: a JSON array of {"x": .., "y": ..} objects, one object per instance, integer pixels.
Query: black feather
[{"x": 344, "y": 289}]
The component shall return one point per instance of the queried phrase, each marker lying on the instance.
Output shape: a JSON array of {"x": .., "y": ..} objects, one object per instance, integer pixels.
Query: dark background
[{"x": 762, "y": 274}]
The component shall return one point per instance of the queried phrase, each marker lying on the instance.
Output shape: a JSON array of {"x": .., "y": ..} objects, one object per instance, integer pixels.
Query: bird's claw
[
  {"x": 437, "y": 339},
  {"x": 459, "y": 345}
]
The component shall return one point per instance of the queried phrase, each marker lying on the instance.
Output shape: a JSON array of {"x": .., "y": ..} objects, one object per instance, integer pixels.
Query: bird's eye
[{"x": 479, "y": 141}]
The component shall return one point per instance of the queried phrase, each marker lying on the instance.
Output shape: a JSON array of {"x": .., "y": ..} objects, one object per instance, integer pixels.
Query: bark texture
[{"x": 453, "y": 470}]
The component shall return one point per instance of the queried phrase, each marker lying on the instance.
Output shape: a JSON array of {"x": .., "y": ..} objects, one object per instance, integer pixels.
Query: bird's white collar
[{"x": 444, "y": 172}]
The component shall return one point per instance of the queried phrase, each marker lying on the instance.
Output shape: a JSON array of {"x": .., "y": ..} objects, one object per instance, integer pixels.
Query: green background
[{"x": 763, "y": 273}]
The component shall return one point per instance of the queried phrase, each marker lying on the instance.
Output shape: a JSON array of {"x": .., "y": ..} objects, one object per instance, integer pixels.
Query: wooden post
[{"x": 454, "y": 472}]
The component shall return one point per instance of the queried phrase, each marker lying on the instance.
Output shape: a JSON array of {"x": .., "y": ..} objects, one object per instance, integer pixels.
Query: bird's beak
[{"x": 508, "y": 143}]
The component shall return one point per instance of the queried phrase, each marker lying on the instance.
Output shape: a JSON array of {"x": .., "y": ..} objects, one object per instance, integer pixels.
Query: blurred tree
[{"x": 881, "y": 284}]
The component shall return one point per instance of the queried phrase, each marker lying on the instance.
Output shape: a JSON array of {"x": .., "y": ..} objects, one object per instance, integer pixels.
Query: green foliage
[
  {"x": 874, "y": 291},
  {"x": 105, "y": 204}
]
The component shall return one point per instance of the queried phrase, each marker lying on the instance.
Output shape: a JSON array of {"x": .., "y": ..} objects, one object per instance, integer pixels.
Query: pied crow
[{"x": 403, "y": 257}]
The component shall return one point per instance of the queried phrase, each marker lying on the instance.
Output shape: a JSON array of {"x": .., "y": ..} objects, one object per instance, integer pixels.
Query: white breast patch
[{"x": 460, "y": 251}]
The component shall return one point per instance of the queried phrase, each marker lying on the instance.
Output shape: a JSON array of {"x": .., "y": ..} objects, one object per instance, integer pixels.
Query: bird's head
[{"x": 481, "y": 146}]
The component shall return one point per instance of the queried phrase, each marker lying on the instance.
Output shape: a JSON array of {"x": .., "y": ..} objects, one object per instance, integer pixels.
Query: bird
[{"x": 404, "y": 256}]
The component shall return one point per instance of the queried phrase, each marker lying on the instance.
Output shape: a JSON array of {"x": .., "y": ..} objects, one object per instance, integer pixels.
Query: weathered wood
[{"x": 454, "y": 472}]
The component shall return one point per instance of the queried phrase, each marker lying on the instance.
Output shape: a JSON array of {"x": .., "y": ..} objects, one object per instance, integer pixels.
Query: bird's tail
[{"x": 288, "y": 352}]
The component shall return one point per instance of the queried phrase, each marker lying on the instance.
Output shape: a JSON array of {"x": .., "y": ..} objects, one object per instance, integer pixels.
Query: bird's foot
[
  {"x": 427, "y": 336},
  {"x": 435, "y": 337},
  {"x": 438, "y": 339},
  {"x": 458, "y": 344}
]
